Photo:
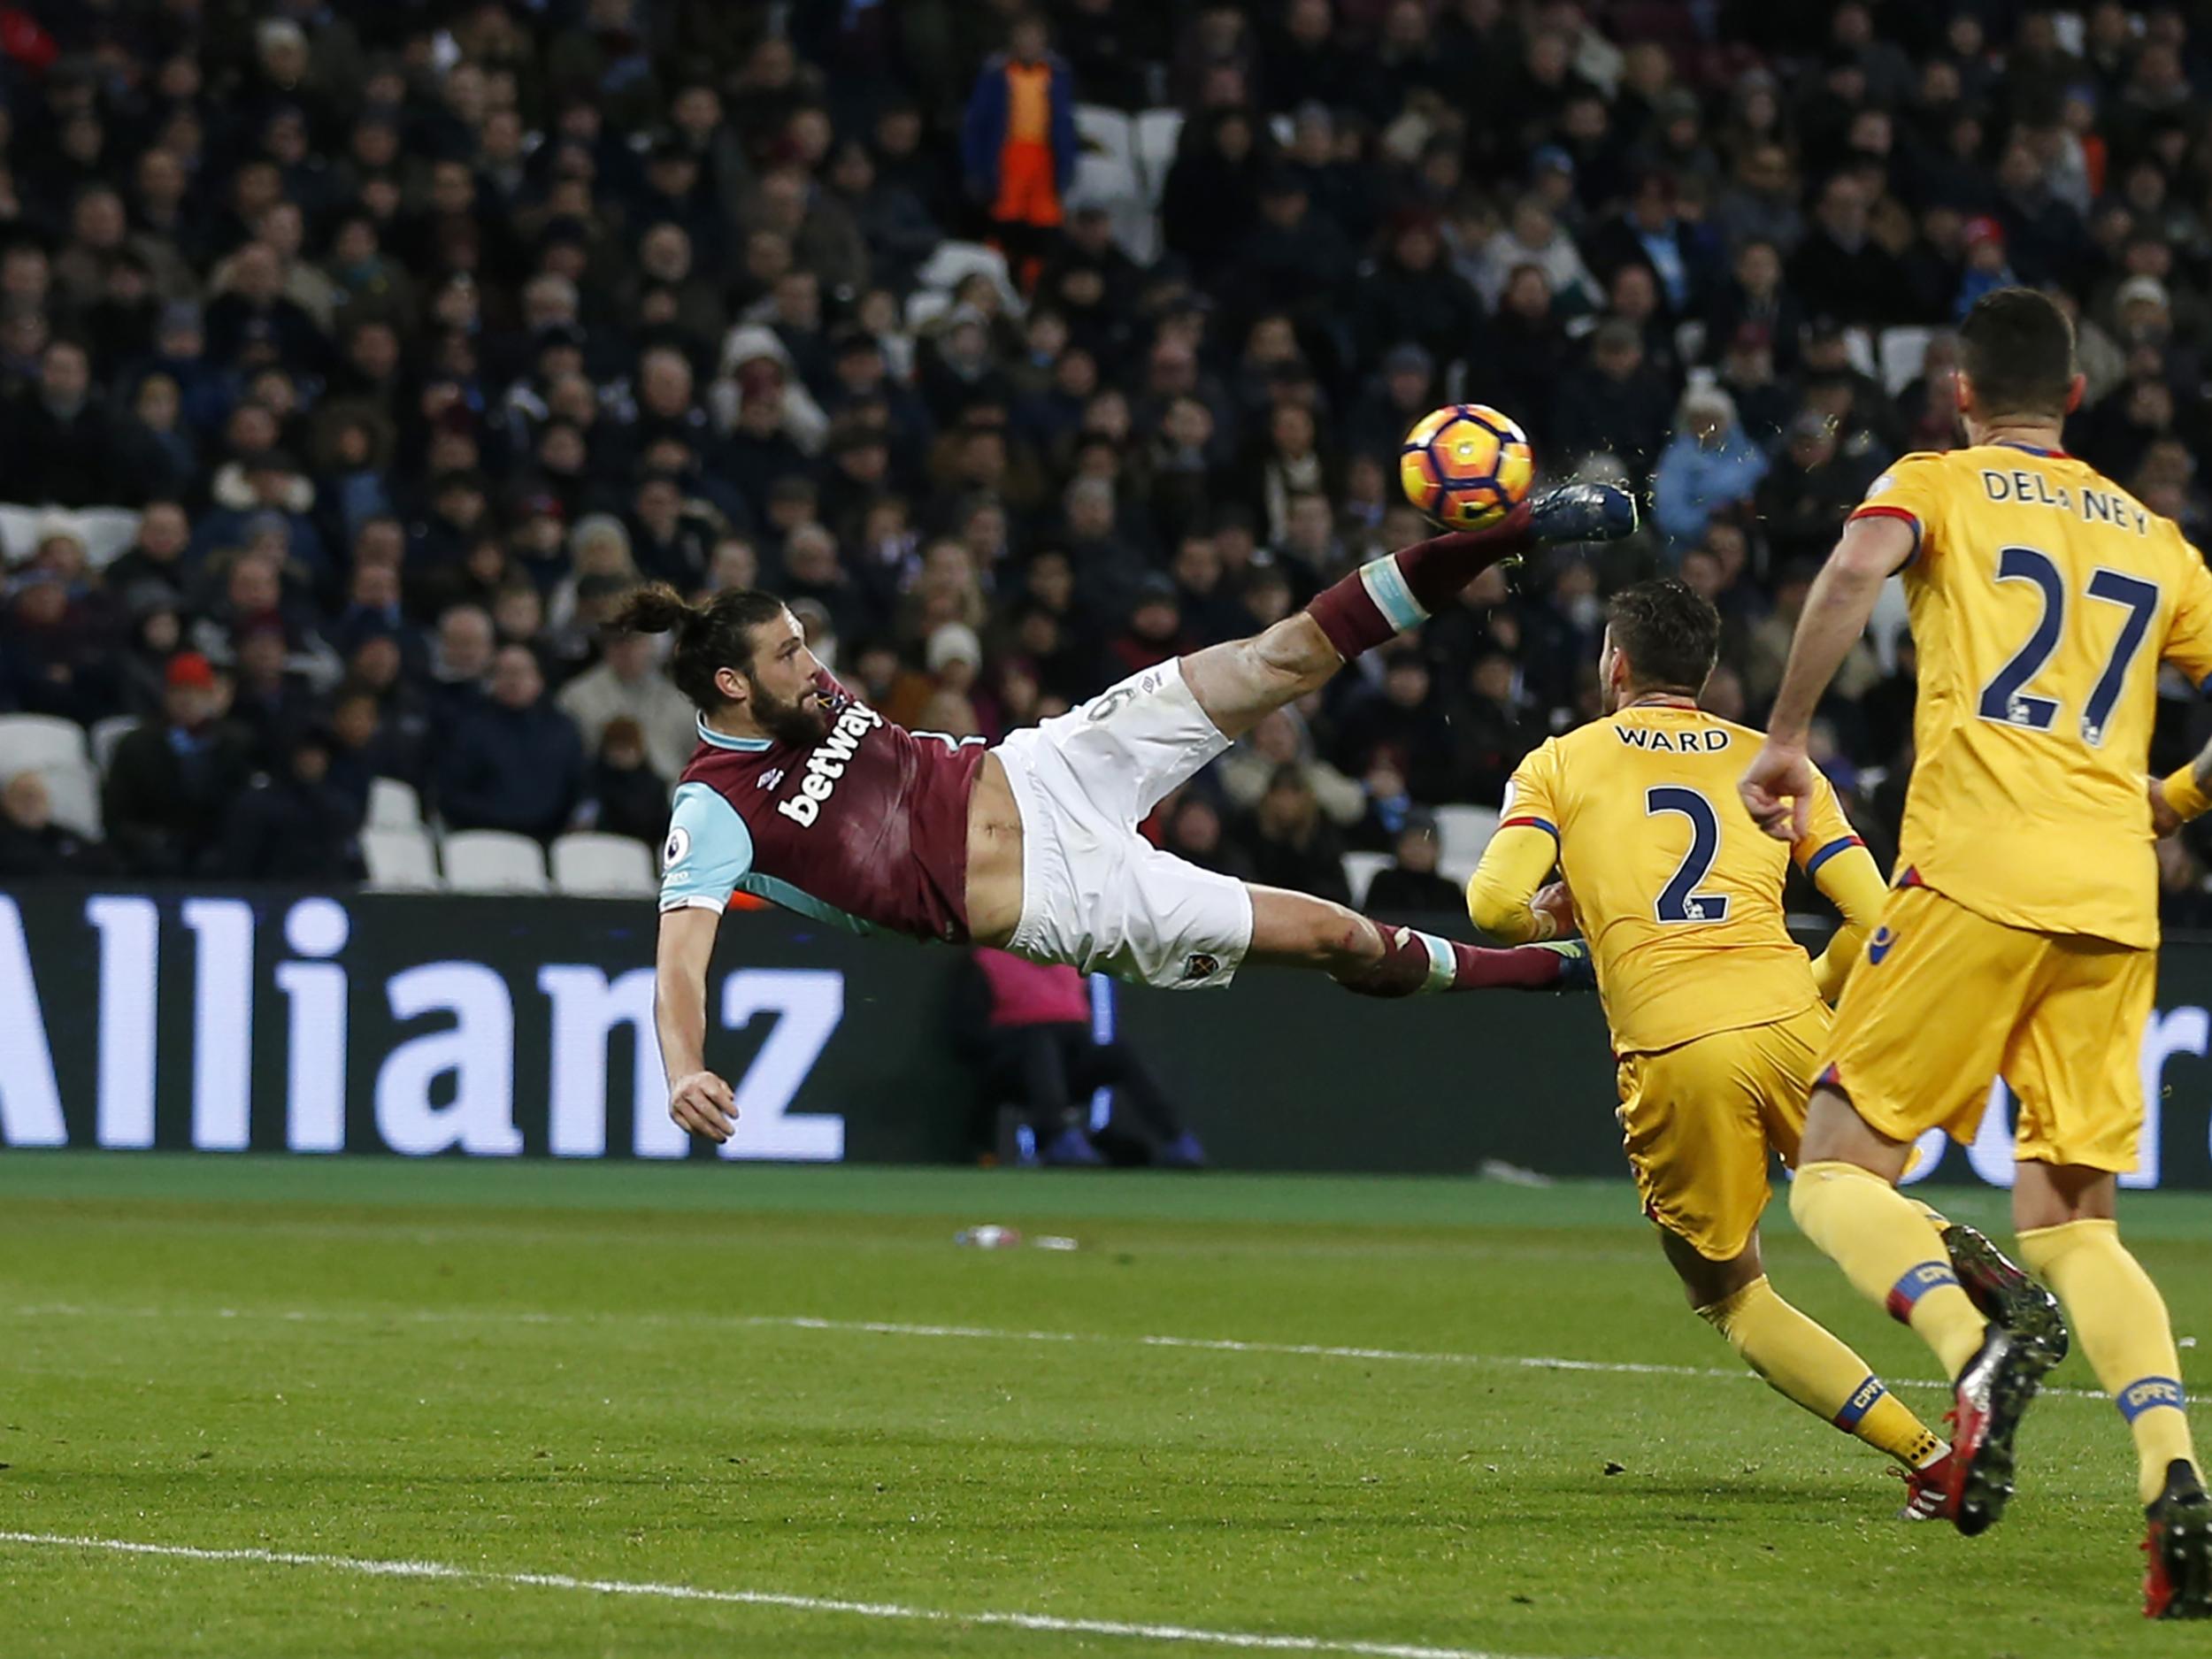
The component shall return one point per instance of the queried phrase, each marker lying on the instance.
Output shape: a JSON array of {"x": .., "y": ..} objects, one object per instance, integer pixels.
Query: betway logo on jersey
[{"x": 826, "y": 765}]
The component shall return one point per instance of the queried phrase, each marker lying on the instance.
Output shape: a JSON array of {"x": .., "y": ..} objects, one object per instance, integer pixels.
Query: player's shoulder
[{"x": 1923, "y": 468}]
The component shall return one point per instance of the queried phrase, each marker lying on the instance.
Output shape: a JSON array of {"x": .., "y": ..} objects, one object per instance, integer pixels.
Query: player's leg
[
  {"x": 1238, "y": 682},
  {"x": 1895, "y": 1072},
  {"x": 1296, "y": 930},
  {"x": 1693, "y": 1121},
  {"x": 2081, "y": 1120}
]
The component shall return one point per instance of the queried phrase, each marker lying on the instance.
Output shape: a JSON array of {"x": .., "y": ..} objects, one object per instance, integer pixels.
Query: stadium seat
[
  {"x": 612, "y": 866},
  {"x": 108, "y": 533},
  {"x": 493, "y": 861},
  {"x": 1159, "y": 134},
  {"x": 1458, "y": 872},
  {"x": 40, "y": 741},
  {"x": 400, "y": 860},
  {"x": 394, "y": 804},
  {"x": 73, "y": 789},
  {"x": 106, "y": 735},
  {"x": 19, "y": 531},
  {"x": 1360, "y": 870},
  {"x": 1902, "y": 350},
  {"x": 1858, "y": 345},
  {"x": 1463, "y": 831},
  {"x": 1105, "y": 132}
]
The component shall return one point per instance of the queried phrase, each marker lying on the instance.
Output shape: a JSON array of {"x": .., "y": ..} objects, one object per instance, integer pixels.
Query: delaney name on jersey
[{"x": 2092, "y": 506}]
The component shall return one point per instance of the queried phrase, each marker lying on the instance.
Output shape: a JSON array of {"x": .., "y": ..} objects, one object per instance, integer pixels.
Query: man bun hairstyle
[
  {"x": 1670, "y": 633},
  {"x": 711, "y": 635},
  {"x": 2017, "y": 348}
]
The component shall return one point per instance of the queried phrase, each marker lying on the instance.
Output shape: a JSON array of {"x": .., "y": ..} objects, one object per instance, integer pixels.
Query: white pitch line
[
  {"x": 960, "y": 1332},
  {"x": 1253, "y": 1641}
]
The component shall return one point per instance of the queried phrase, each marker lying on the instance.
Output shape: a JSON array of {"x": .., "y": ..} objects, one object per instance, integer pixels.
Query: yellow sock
[
  {"x": 1807, "y": 1363},
  {"x": 1884, "y": 1245},
  {"x": 2120, "y": 1320}
]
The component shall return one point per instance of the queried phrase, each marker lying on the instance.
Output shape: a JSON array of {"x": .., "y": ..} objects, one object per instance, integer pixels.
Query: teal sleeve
[{"x": 709, "y": 850}]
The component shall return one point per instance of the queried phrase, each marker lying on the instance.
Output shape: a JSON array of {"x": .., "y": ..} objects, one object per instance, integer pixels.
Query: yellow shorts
[
  {"x": 1946, "y": 1000},
  {"x": 1700, "y": 1122}
]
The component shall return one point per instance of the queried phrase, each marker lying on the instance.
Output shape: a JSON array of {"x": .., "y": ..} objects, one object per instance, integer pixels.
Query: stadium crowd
[{"x": 415, "y": 332}]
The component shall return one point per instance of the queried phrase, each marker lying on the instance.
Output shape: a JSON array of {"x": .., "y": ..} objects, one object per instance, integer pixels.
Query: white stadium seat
[
  {"x": 73, "y": 789},
  {"x": 394, "y": 804},
  {"x": 19, "y": 531},
  {"x": 1360, "y": 870},
  {"x": 38, "y": 741},
  {"x": 400, "y": 860},
  {"x": 613, "y": 865},
  {"x": 108, "y": 533},
  {"x": 1902, "y": 350},
  {"x": 106, "y": 735},
  {"x": 493, "y": 860},
  {"x": 1159, "y": 134},
  {"x": 1463, "y": 831}
]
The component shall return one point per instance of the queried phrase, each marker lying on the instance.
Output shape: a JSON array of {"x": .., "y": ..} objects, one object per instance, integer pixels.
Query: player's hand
[
  {"x": 2164, "y": 819},
  {"x": 1556, "y": 902},
  {"x": 1777, "y": 791},
  {"x": 705, "y": 1105}
]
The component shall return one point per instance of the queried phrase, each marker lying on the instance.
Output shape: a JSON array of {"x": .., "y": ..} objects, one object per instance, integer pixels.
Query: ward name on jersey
[
  {"x": 866, "y": 829},
  {"x": 2043, "y": 598}
]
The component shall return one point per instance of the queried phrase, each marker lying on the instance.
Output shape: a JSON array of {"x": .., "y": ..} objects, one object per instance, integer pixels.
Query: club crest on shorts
[
  {"x": 1200, "y": 966},
  {"x": 1878, "y": 947}
]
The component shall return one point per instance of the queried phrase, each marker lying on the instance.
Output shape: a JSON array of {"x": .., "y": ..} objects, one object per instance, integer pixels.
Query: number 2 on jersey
[
  {"x": 2008, "y": 701},
  {"x": 1679, "y": 901}
]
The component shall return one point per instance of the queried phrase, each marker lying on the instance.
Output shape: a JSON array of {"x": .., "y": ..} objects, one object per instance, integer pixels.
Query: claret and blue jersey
[{"x": 867, "y": 829}]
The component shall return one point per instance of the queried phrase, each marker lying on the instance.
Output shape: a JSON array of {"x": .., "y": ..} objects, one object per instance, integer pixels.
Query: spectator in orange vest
[{"x": 1018, "y": 144}]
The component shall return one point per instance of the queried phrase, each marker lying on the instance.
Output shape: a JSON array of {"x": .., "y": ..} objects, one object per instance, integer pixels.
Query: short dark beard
[{"x": 798, "y": 723}]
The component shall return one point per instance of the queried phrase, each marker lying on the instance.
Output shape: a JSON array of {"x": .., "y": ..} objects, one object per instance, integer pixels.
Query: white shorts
[{"x": 1094, "y": 893}]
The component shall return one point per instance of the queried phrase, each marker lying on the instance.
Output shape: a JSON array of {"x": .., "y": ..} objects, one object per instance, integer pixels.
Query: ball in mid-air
[{"x": 1466, "y": 466}]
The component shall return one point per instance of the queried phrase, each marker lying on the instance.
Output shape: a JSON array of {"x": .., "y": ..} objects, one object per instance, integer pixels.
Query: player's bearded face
[{"x": 800, "y": 720}]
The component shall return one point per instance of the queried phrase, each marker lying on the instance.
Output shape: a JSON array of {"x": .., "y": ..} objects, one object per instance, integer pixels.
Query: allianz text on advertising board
[{"x": 258, "y": 1011}]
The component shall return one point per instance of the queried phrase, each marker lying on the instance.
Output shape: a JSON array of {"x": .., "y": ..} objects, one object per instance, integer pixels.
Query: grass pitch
[{"x": 789, "y": 1383}]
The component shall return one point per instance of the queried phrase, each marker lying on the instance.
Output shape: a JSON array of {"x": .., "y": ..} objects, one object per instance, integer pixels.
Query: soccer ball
[{"x": 1466, "y": 466}]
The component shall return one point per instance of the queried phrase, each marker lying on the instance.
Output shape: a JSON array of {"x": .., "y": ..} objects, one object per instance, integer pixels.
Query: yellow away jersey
[
  {"x": 2043, "y": 599},
  {"x": 1678, "y": 891}
]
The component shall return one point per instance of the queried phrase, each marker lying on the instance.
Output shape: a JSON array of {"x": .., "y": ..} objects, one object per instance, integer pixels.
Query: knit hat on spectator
[
  {"x": 952, "y": 642},
  {"x": 190, "y": 668},
  {"x": 2141, "y": 290},
  {"x": 1981, "y": 228}
]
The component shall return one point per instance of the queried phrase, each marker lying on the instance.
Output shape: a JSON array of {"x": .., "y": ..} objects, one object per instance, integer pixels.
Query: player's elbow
[{"x": 1496, "y": 911}]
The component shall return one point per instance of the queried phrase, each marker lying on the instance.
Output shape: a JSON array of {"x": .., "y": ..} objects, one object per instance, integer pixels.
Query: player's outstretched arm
[
  {"x": 697, "y": 1099},
  {"x": 1778, "y": 787},
  {"x": 1507, "y": 897}
]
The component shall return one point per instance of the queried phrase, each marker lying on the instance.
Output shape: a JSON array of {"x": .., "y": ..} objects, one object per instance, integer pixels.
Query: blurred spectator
[
  {"x": 33, "y": 847},
  {"x": 515, "y": 761},
  {"x": 173, "y": 779},
  {"x": 1018, "y": 147},
  {"x": 627, "y": 684},
  {"x": 626, "y": 796},
  {"x": 1409, "y": 884},
  {"x": 1711, "y": 466},
  {"x": 1289, "y": 842},
  {"x": 294, "y": 823}
]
